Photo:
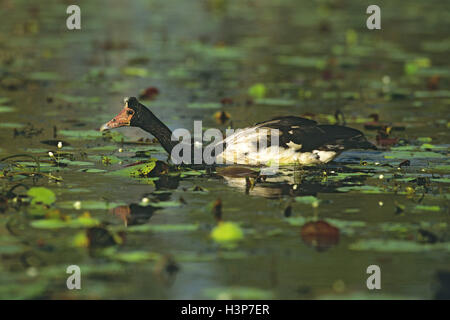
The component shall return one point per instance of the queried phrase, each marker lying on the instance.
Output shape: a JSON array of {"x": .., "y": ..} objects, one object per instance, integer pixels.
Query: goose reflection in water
[{"x": 289, "y": 180}]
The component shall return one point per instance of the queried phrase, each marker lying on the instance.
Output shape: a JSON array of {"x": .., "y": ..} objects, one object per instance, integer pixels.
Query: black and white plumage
[{"x": 300, "y": 141}]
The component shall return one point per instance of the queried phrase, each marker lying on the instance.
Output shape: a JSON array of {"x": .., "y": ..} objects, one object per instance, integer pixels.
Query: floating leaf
[
  {"x": 276, "y": 102},
  {"x": 135, "y": 72},
  {"x": 4, "y": 109},
  {"x": 136, "y": 256},
  {"x": 80, "y": 134},
  {"x": 307, "y": 200},
  {"x": 11, "y": 125},
  {"x": 88, "y": 205},
  {"x": 204, "y": 105},
  {"x": 166, "y": 204},
  {"x": 304, "y": 62},
  {"x": 76, "y": 99},
  {"x": 414, "y": 155},
  {"x": 257, "y": 91},
  {"x": 362, "y": 189},
  {"x": 424, "y": 139},
  {"x": 75, "y": 163},
  {"x": 44, "y": 76},
  {"x": 138, "y": 170},
  {"x": 442, "y": 180},
  {"x": 163, "y": 228},
  {"x": 226, "y": 232},
  {"x": 397, "y": 246},
  {"x": 81, "y": 222},
  {"x": 427, "y": 208},
  {"x": 41, "y": 195},
  {"x": 237, "y": 293}
]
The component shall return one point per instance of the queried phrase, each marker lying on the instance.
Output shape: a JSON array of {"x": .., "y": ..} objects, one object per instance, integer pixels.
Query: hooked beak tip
[{"x": 104, "y": 127}]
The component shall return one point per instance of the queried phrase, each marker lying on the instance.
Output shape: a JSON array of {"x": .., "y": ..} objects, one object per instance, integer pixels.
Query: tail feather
[{"x": 346, "y": 138}]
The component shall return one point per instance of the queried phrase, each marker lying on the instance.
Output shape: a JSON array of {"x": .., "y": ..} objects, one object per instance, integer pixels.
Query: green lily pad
[
  {"x": 307, "y": 200},
  {"x": 412, "y": 155},
  {"x": 305, "y": 62},
  {"x": 136, "y": 256},
  {"x": 362, "y": 189},
  {"x": 76, "y": 99},
  {"x": 44, "y": 76},
  {"x": 433, "y": 147},
  {"x": 41, "y": 195},
  {"x": 81, "y": 222},
  {"x": 136, "y": 171},
  {"x": 135, "y": 72},
  {"x": 257, "y": 91},
  {"x": 276, "y": 102},
  {"x": 365, "y": 296},
  {"x": 427, "y": 208},
  {"x": 11, "y": 125},
  {"x": 187, "y": 173},
  {"x": 163, "y": 228},
  {"x": 88, "y": 205},
  {"x": 397, "y": 246},
  {"x": 75, "y": 163},
  {"x": 442, "y": 180},
  {"x": 166, "y": 204},
  {"x": 226, "y": 232},
  {"x": 237, "y": 293},
  {"x": 80, "y": 134},
  {"x": 204, "y": 105},
  {"x": 4, "y": 109}
]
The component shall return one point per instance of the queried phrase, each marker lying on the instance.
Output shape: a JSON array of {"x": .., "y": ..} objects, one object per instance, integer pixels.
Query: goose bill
[{"x": 121, "y": 120}]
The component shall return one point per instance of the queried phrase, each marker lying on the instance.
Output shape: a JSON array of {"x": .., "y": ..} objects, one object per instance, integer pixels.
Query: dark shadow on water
[{"x": 290, "y": 181}]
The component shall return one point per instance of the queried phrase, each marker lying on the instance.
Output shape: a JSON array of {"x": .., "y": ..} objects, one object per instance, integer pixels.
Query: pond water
[{"x": 307, "y": 233}]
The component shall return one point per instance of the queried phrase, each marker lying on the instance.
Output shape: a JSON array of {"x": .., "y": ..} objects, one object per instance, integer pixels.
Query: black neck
[{"x": 158, "y": 129}]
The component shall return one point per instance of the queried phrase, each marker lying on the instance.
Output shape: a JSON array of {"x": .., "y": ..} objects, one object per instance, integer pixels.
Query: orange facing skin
[{"x": 122, "y": 119}]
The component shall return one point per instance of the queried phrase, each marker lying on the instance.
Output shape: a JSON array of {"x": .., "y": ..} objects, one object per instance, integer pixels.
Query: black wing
[{"x": 311, "y": 136}]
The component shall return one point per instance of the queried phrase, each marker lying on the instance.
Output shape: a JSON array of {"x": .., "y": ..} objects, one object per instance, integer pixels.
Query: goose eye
[{"x": 130, "y": 112}]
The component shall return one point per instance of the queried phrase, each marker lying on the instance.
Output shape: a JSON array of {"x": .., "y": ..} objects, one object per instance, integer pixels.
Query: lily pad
[
  {"x": 135, "y": 72},
  {"x": 163, "y": 228},
  {"x": 226, "y": 232},
  {"x": 136, "y": 256},
  {"x": 236, "y": 293},
  {"x": 397, "y": 246},
  {"x": 11, "y": 125},
  {"x": 307, "y": 200},
  {"x": 257, "y": 91},
  {"x": 44, "y": 76},
  {"x": 412, "y": 155},
  {"x": 4, "y": 109},
  {"x": 81, "y": 134},
  {"x": 80, "y": 222},
  {"x": 362, "y": 189},
  {"x": 427, "y": 208},
  {"x": 88, "y": 205},
  {"x": 41, "y": 195},
  {"x": 204, "y": 105}
]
